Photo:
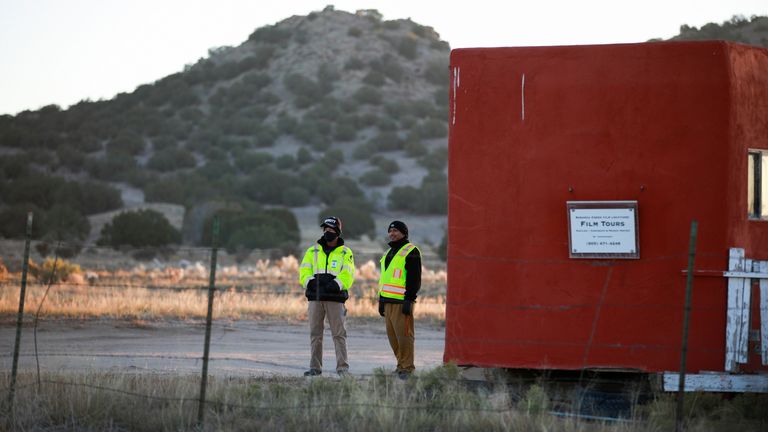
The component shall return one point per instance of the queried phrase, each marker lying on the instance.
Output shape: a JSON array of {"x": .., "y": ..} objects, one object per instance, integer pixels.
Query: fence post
[
  {"x": 686, "y": 319},
  {"x": 208, "y": 319},
  {"x": 20, "y": 318}
]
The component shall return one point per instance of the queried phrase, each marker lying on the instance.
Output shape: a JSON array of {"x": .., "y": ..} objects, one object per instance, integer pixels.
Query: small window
[{"x": 757, "y": 184}]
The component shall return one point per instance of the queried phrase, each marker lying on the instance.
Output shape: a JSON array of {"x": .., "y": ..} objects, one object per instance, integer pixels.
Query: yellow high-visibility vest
[
  {"x": 339, "y": 263},
  {"x": 392, "y": 280}
]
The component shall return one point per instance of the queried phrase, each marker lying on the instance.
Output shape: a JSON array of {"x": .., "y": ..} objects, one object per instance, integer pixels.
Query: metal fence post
[
  {"x": 208, "y": 319},
  {"x": 686, "y": 319},
  {"x": 20, "y": 318}
]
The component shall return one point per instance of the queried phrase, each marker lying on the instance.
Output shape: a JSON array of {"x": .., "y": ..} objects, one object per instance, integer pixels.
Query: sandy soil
[{"x": 238, "y": 348}]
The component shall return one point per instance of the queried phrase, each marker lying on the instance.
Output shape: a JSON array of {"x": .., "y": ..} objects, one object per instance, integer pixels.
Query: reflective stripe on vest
[{"x": 392, "y": 281}]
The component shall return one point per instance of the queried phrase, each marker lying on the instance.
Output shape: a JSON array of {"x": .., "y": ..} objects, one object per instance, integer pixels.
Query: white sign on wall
[{"x": 603, "y": 229}]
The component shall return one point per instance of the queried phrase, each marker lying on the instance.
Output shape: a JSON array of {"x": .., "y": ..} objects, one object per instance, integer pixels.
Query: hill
[
  {"x": 749, "y": 31},
  {"x": 336, "y": 111}
]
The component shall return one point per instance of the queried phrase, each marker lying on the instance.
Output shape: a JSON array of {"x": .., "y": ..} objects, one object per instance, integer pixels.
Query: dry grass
[
  {"x": 431, "y": 400},
  {"x": 82, "y": 301},
  {"x": 267, "y": 290}
]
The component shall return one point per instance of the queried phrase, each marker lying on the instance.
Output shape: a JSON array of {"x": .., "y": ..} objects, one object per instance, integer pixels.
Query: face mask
[{"x": 330, "y": 236}]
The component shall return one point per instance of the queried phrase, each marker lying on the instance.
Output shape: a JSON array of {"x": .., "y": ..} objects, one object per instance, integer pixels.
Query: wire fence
[{"x": 271, "y": 275}]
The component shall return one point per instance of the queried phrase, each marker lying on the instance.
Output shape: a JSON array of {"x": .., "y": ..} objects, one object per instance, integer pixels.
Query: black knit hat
[
  {"x": 332, "y": 222},
  {"x": 400, "y": 226}
]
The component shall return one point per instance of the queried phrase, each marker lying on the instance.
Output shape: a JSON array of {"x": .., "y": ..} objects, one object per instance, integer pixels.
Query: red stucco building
[{"x": 673, "y": 131}]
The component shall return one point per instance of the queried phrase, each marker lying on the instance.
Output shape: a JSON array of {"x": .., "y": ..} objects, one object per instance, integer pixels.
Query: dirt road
[{"x": 237, "y": 347}]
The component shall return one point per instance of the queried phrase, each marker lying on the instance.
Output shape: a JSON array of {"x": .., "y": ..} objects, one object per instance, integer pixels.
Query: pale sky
[{"x": 64, "y": 51}]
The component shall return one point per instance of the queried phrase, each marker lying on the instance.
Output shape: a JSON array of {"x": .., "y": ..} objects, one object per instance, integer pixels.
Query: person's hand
[
  {"x": 381, "y": 308},
  {"x": 407, "y": 307}
]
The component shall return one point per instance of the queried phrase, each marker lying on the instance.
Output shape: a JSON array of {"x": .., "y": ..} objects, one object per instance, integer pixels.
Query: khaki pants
[
  {"x": 401, "y": 335},
  {"x": 334, "y": 311}
]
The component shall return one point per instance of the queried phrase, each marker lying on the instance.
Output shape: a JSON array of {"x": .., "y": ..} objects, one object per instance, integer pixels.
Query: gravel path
[{"x": 238, "y": 348}]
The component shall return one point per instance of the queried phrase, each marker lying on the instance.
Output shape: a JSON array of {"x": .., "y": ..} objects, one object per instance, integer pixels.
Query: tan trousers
[
  {"x": 401, "y": 335},
  {"x": 318, "y": 312}
]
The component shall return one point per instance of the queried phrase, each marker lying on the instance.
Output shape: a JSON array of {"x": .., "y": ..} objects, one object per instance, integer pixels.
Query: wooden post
[
  {"x": 686, "y": 319},
  {"x": 208, "y": 320},
  {"x": 20, "y": 317}
]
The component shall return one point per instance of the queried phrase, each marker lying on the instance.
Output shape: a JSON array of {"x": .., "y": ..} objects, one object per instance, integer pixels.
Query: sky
[{"x": 64, "y": 51}]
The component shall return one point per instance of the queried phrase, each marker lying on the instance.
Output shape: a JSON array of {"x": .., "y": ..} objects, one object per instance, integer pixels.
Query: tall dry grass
[
  {"x": 269, "y": 289},
  {"x": 82, "y": 301},
  {"x": 431, "y": 400}
]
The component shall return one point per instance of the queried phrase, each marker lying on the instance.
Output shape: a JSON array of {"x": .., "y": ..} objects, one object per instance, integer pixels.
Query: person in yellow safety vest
[
  {"x": 327, "y": 272},
  {"x": 398, "y": 286}
]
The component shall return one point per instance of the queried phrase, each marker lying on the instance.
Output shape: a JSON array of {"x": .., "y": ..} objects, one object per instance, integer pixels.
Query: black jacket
[
  {"x": 329, "y": 290},
  {"x": 412, "y": 271}
]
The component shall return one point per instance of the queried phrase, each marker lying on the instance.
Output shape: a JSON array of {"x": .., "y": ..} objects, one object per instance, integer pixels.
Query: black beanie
[{"x": 400, "y": 226}]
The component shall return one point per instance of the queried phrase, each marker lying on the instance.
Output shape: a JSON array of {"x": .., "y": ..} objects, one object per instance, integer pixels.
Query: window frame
[{"x": 759, "y": 197}]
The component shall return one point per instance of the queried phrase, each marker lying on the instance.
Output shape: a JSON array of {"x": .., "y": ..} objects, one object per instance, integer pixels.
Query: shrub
[
  {"x": 386, "y": 141},
  {"x": 430, "y": 198},
  {"x": 433, "y": 128},
  {"x": 266, "y": 185},
  {"x": 389, "y": 66},
  {"x": 303, "y": 156},
  {"x": 354, "y": 63},
  {"x": 249, "y": 228},
  {"x": 251, "y": 161},
  {"x": 256, "y": 80},
  {"x": 70, "y": 157},
  {"x": 338, "y": 188},
  {"x": 442, "y": 248},
  {"x": 407, "y": 47},
  {"x": 286, "y": 124},
  {"x": 354, "y": 32},
  {"x": 171, "y": 159},
  {"x": 44, "y": 192},
  {"x": 404, "y": 198},
  {"x": 214, "y": 169},
  {"x": 435, "y": 160},
  {"x": 168, "y": 190},
  {"x": 315, "y": 133},
  {"x": 332, "y": 158},
  {"x": 64, "y": 223},
  {"x": 364, "y": 151},
  {"x": 441, "y": 97},
  {"x": 302, "y": 86},
  {"x": 265, "y": 137},
  {"x": 368, "y": 95},
  {"x": 126, "y": 142},
  {"x": 327, "y": 76},
  {"x": 344, "y": 132},
  {"x": 53, "y": 270},
  {"x": 375, "y": 177},
  {"x": 374, "y": 78},
  {"x": 15, "y": 166},
  {"x": 142, "y": 228},
  {"x": 385, "y": 164},
  {"x": 295, "y": 196},
  {"x": 89, "y": 197},
  {"x": 285, "y": 162},
  {"x": 437, "y": 72},
  {"x": 13, "y": 221},
  {"x": 414, "y": 147},
  {"x": 114, "y": 167},
  {"x": 357, "y": 220},
  {"x": 270, "y": 34}
]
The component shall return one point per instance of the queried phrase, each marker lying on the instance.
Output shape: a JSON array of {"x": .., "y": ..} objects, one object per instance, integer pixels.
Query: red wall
[{"x": 654, "y": 123}]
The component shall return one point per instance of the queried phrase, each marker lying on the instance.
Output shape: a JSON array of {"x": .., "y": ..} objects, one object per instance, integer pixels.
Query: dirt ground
[{"x": 238, "y": 348}]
